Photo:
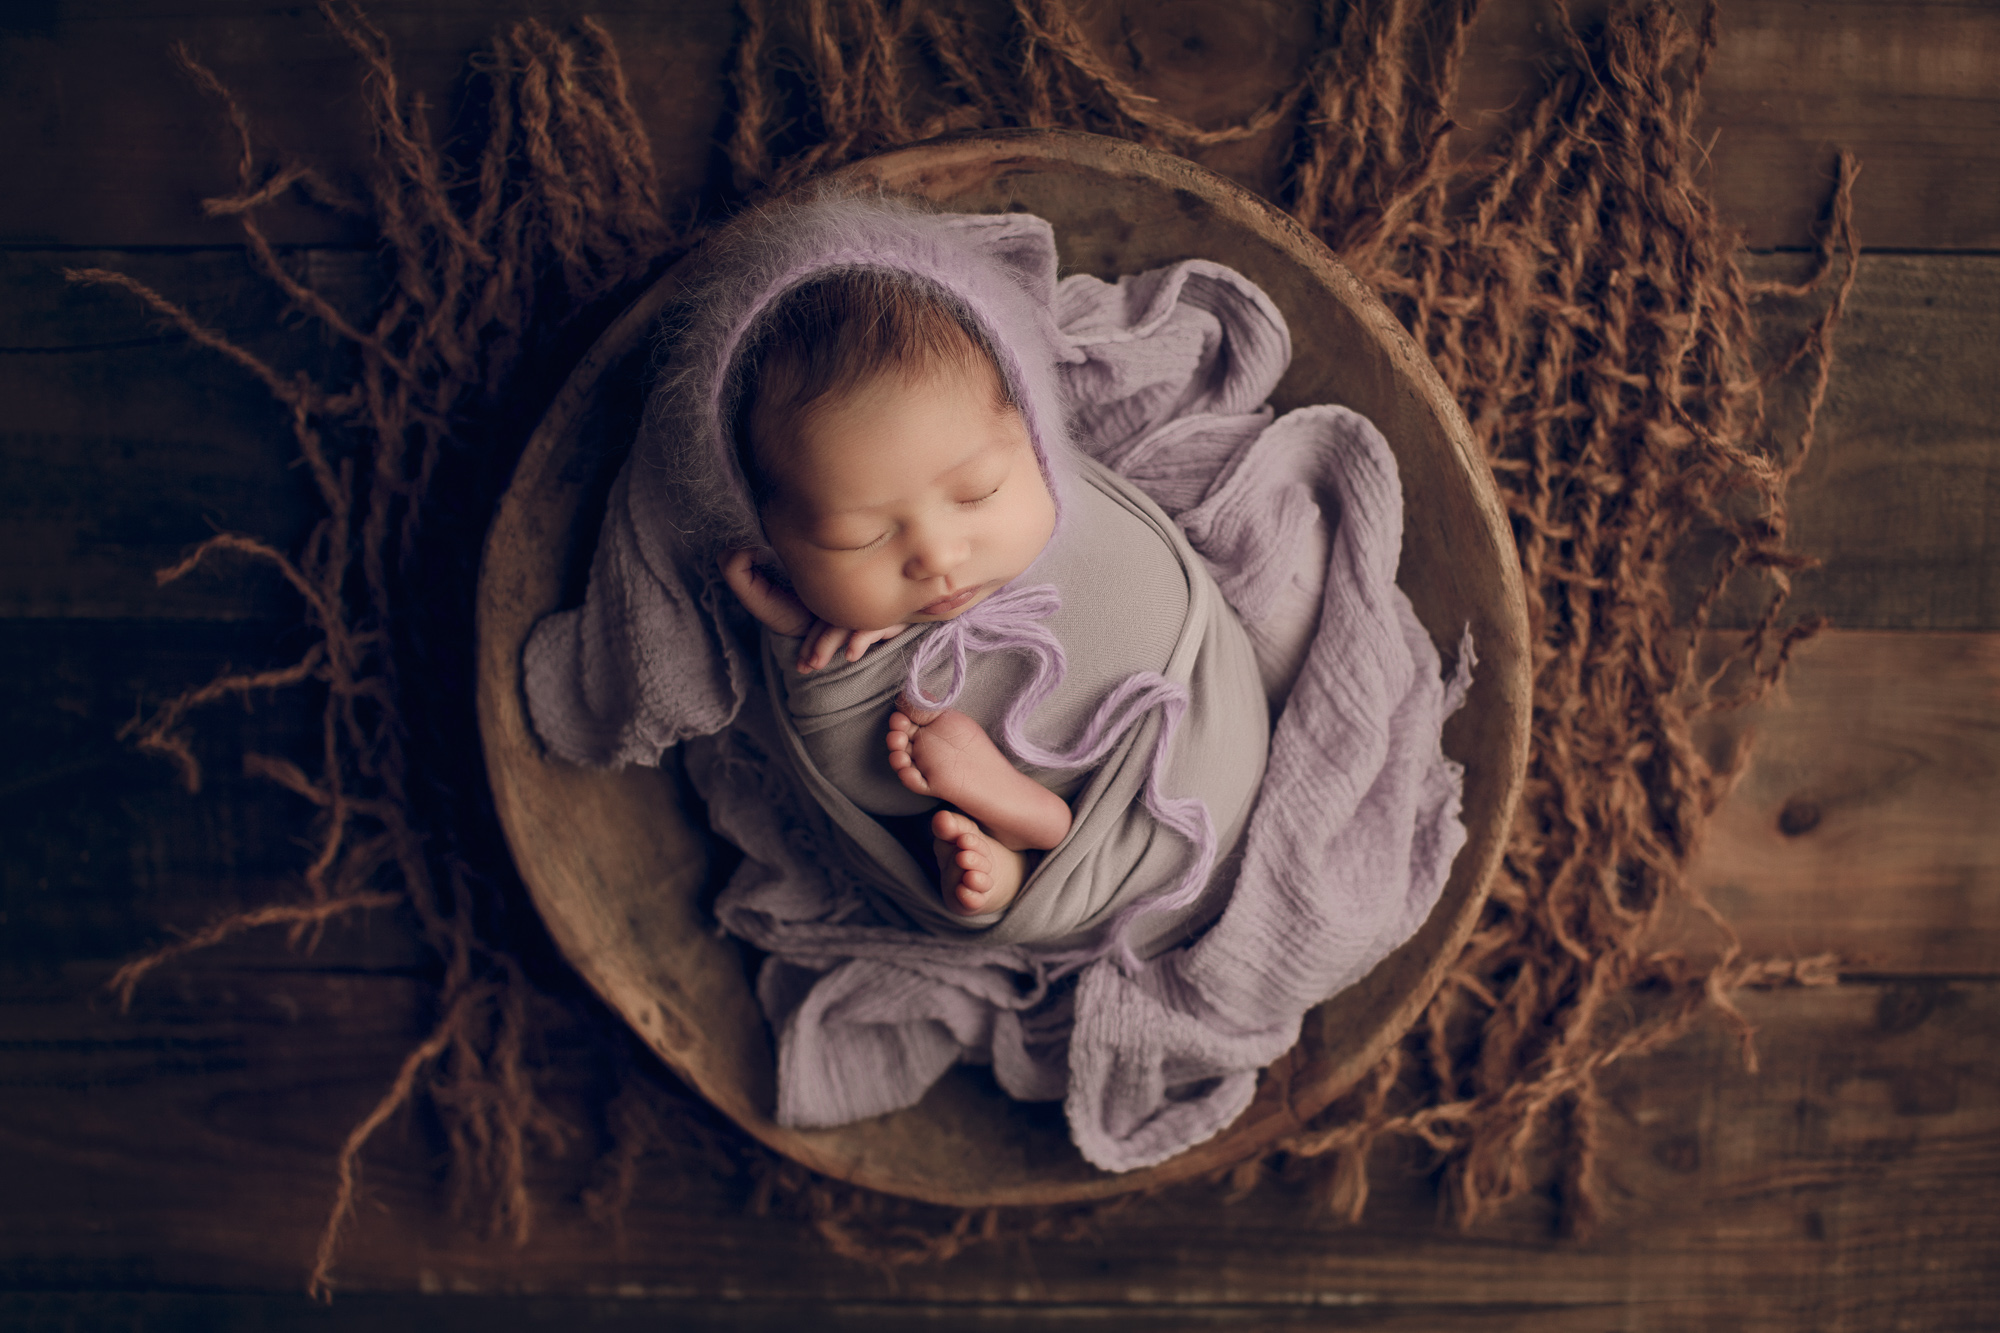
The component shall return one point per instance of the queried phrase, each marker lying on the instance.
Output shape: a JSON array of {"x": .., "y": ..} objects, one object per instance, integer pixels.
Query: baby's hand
[
  {"x": 777, "y": 607},
  {"x": 780, "y": 609},
  {"x": 824, "y": 640}
]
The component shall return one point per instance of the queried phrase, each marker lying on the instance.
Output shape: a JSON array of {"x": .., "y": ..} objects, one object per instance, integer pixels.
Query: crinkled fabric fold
[{"x": 1354, "y": 830}]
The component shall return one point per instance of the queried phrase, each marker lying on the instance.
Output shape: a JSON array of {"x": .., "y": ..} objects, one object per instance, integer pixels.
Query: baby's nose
[{"x": 936, "y": 551}]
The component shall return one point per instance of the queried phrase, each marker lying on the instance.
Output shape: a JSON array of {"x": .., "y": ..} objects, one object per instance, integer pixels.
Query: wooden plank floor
[{"x": 169, "y": 1168}]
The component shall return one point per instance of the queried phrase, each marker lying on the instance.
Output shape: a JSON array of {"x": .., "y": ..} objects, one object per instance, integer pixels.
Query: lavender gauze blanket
[{"x": 1348, "y": 844}]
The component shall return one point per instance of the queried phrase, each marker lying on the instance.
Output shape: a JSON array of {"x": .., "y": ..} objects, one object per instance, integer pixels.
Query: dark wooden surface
[{"x": 169, "y": 1168}]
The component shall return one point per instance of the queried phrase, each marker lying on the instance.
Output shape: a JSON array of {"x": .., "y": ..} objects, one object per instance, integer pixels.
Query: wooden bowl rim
[{"x": 1291, "y": 1091}]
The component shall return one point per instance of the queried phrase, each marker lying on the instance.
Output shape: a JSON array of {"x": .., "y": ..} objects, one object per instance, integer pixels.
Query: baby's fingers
[
  {"x": 775, "y": 606},
  {"x": 866, "y": 639},
  {"x": 822, "y": 641}
]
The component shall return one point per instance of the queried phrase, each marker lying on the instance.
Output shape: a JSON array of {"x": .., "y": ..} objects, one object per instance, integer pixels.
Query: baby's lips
[{"x": 944, "y": 606}]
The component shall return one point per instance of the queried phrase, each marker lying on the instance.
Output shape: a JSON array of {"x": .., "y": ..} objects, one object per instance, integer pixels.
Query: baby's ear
[{"x": 1022, "y": 242}]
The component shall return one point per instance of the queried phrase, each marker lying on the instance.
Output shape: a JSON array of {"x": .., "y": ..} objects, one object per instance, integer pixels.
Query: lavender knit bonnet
[{"x": 997, "y": 272}]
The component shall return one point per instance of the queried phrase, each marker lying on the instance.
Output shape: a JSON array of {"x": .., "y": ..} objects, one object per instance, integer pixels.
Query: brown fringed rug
[{"x": 1572, "y": 284}]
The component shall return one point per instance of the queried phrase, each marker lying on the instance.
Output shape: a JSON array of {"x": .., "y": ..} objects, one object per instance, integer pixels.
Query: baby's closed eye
[{"x": 982, "y": 482}]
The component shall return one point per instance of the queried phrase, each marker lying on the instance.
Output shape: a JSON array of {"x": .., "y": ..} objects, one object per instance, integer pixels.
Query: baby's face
[{"x": 907, "y": 502}]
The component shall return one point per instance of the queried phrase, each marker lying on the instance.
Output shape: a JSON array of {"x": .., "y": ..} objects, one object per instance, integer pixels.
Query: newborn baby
[
  {"x": 898, "y": 484},
  {"x": 898, "y": 487}
]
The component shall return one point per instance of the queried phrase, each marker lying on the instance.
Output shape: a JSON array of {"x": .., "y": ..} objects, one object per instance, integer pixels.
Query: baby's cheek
[
  {"x": 847, "y": 599},
  {"x": 1037, "y": 527}
]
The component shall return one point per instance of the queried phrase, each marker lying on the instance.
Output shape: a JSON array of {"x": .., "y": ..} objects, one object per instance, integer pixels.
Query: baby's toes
[
  {"x": 898, "y": 739},
  {"x": 973, "y": 860},
  {"x": 974, "y": 887},
  {"x": 912, "y": 776}
]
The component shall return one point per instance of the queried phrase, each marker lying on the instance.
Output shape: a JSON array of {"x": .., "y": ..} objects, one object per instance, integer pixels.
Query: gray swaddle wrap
[
  {"x": 1134, "y": 598},
  {"x": 1341, "y": 858}
]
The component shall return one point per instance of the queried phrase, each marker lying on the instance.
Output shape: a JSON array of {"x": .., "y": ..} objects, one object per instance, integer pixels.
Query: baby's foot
[
  {"x": 978, "y": 874},
  {"x": 947, "y": 755}
]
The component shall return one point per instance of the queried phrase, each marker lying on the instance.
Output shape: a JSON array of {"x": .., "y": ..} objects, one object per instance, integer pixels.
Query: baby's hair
[{"x": 834, "y": 333}]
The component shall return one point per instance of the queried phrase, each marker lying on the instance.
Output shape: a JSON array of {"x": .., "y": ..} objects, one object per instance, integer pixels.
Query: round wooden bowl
[{"x": 619, "y": 863}]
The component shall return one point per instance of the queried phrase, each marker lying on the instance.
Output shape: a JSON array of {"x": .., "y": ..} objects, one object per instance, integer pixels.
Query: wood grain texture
[
  {"x": 437, "y": 1313},
  {"x": 1899, "y": 497},
  {"x": 102, "y": 852},
  {"x": 121, "y": 147},
  {"x": 1865, "y": 822},
  {"x": 1912, "y": 88},
  {"x": 1213, "y": 63},
  {"x": 188, "y": 1147},
  {"x": 124, "y": 443}
]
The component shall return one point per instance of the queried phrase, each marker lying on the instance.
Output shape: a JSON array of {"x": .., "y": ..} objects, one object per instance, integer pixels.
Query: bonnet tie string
[{"x": 1015, "y": 619}]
